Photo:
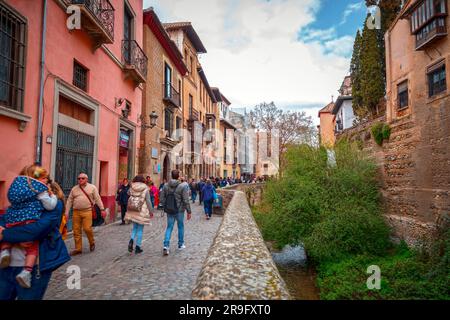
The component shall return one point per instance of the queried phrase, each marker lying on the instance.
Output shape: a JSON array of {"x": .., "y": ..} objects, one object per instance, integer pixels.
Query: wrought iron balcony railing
[
  {"x": 134, "y": 60},
  {"x": 98, "y": 19},
  {"x": 171, "y": 95}
]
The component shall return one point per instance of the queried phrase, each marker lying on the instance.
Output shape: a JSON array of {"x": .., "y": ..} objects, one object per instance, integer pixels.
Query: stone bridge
[{"x": 225, "y": 258}]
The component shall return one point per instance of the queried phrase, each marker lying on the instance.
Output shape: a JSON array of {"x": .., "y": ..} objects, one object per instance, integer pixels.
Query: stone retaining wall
[
  {"x": 415, "y": 172},
  {"x": 239, "y": 266}
]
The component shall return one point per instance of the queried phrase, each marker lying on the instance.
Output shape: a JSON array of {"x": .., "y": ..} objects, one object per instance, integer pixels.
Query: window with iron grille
[
  {"x": 80, "y": 76},
  {"x": 436, "y": 80},
  {"x": 402, "y": 95},
  {"x": 13, "y": 30}
]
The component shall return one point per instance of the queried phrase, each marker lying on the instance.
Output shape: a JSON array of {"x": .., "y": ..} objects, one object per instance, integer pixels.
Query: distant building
[
  {"x": 327, "y": 125},
  {"x": 343, "y": 107}
]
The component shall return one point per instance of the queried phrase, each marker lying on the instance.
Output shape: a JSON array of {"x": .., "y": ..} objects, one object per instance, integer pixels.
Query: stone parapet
[{"x": 239, "y": 266}]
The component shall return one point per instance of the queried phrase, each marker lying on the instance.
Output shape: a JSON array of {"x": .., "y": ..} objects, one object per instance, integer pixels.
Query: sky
[{"x": 295, "y": 53}]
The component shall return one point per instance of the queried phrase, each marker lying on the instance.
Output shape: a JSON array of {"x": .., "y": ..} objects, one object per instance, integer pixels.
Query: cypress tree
[
  {"x": 355, "y": 72},
  {"x": 372, "y": 71}
]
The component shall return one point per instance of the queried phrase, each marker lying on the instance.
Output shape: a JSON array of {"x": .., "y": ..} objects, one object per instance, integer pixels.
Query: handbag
[{"x": 95, "y": 209}]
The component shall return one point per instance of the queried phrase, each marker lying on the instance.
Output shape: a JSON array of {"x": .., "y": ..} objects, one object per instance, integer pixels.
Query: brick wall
[{"x": 414, "y": 169}]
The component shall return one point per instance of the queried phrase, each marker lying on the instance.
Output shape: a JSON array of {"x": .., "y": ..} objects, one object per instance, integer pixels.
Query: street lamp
[{"x": 153, "y": 117}]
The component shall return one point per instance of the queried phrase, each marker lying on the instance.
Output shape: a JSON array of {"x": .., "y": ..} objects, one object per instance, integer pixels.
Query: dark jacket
[
  {"x": 52, "y": 249},
  {"x": 200, "y": 186},
  {"x": 208, "y": 192},
  {"x": 122, "y": 194},
  {"x": 181, "y": 195}
]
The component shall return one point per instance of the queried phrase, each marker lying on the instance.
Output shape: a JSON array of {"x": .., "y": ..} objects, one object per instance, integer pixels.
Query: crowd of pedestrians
[{"x": 34, "y": 227}]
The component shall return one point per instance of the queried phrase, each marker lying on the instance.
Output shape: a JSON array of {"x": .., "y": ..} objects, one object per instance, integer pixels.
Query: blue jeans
[
  {"x": 11, "y": 290},
  {"x": 194, "y": 196},
  {"x": 208, "y": 205},
  {"x": 171, "y": 218},
  {"x": 138, "y": 230}
]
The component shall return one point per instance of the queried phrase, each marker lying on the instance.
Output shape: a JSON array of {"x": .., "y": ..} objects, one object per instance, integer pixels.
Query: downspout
[{"x": 41, "y": 90}]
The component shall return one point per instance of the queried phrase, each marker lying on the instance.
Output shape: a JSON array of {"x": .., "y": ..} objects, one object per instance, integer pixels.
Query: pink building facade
[{"x": 90, "y": 102}]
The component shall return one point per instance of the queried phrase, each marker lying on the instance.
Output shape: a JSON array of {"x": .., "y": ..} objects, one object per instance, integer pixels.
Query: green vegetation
[
  {"x": 380, "y": 132},
  {"x": 335, "y": 212},
  {"x": 368, "y": 66}
]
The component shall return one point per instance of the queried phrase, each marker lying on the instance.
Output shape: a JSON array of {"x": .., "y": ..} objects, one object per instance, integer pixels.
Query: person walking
[
  {"x": 175, "y": 201},
  {"x": 139, "y": 212},
  {"x": 200, "y": 186},
  {"x": 122, "y": 198},
  {"x": 208, "y": 198},
  {"x": 193, "y": 187},
  {"x": 82, "y": 199}
]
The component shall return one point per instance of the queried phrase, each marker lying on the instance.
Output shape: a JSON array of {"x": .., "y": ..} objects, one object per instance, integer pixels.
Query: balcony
[
  {"x": 194, "y": 116},
  {"x": 171, "y": 95},
  {"x": 434, "y": 30},
  {"x": 134, "y": 61},
  {"x": 97, "y": 19}
]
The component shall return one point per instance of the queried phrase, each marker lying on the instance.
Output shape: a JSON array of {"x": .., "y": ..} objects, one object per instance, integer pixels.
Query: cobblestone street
[{"x": 111, "y": 272}]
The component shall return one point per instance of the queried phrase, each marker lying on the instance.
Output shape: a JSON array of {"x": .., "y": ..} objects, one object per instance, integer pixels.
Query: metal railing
[
  {"x": 103, "y": 11},
  {"x": 435, "y": 30},
  {"x": 133, "y": 55},
  {"x": 172, "y": 95}
]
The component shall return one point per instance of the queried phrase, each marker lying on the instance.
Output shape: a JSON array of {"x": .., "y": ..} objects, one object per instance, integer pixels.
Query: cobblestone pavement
[{"x": 111, "y": 272}]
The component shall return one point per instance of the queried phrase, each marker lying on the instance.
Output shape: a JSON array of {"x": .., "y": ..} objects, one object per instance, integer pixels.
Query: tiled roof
[
  {"x": 327, "y": 109},
  {"x": 190, "y": 32}
]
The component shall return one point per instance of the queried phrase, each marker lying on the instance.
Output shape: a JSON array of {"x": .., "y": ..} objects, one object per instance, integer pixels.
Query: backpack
[
  {"x": 136, "y": 202},
  {"x": 171, "y": 203}
]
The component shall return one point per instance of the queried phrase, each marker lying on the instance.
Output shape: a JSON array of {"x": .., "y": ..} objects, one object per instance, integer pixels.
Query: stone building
[
  {"x": 190, "y": 45},
  {"x": 343, "y": 107},
  {"x": 417, "y": 158},
  {"x": 162, "y": 97}
]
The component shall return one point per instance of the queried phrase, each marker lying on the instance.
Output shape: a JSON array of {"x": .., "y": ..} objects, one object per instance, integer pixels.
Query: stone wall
[
  {"x": 239, "y": 266},
  {"x": 415, "y": 172}
]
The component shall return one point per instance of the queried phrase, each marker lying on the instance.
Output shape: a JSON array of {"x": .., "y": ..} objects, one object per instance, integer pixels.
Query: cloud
[
  {"x": 352, "y": 7},
  {"x": 256, "y": 52}
]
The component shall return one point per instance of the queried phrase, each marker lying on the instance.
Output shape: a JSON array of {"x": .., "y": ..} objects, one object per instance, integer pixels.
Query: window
[
  {"x": 178, "y": 123},
  {"x": 191, "y": 105},
  {"x": 402, "y": 95},
  {"x": 13, "y": 29},
  {"x": 167, "y": 81},
  {"x": 168, "y": 122},
  {"x": 436, "y": 79},
  {"x": 80, "y": 76}
]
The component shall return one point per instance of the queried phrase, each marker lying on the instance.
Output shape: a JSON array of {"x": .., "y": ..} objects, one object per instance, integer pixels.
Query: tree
[
  {"x": 389, "y": 11},
  {"x": 355, "y": 72},
  {"x": 294, "y": 128},
  {"x": 372, "y": 71}
]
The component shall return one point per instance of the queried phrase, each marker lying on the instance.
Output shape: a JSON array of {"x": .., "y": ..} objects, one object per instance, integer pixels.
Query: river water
[{"x": 299, "y": 277}]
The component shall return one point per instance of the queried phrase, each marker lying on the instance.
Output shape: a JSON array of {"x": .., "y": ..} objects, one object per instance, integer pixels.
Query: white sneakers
[
  {"x": 5, "y": 259},
  {"x": 24, "y": 279},
  {"x": 182, "y": 247},
  {"x": 165, "y": 251}
]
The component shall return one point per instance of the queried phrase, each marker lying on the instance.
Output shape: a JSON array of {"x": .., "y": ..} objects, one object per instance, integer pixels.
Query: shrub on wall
[
  {"x": 380, "y": 132},
  {"x": 334, "y": 211}
]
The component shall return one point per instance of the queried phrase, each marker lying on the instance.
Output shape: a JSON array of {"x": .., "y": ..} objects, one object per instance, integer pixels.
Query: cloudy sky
[{"x": 293, "y": 52}]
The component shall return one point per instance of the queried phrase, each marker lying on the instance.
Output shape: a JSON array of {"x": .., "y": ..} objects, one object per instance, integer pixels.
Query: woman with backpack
[{"x": 139, "y": 211}]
